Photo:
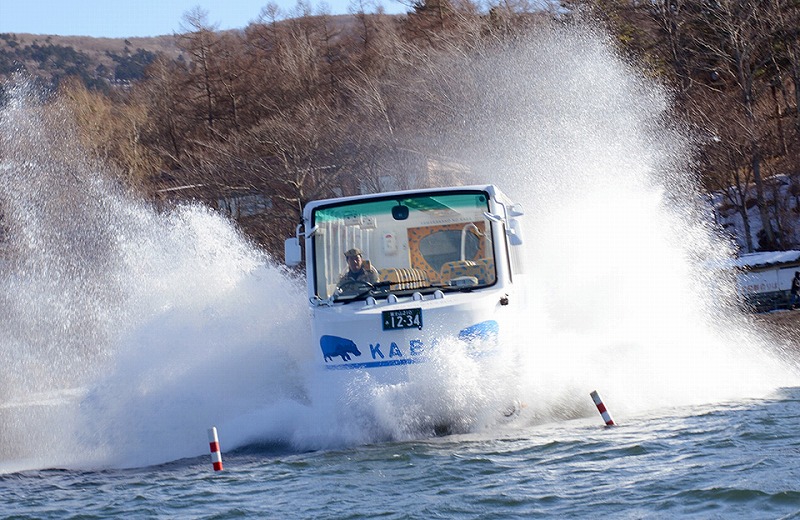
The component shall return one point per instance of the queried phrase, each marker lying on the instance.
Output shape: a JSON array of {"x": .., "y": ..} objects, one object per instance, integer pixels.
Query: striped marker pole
[
  {"x": 216, "y": 455},
  {"x": 602, "y": 409}
]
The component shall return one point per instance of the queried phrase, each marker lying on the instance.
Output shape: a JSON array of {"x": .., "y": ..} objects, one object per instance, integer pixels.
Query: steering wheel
[{"x": 355, "y": 285}]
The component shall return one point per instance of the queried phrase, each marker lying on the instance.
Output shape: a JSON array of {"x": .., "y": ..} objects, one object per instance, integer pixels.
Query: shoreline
[{"x": 783, "y": 325}]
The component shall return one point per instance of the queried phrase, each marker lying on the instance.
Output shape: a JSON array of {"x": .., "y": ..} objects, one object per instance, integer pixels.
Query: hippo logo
[{"x": 333, "y": 346}]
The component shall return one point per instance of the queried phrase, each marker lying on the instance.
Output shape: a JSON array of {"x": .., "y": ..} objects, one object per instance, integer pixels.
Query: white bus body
[{"x": 449, "y": 264}]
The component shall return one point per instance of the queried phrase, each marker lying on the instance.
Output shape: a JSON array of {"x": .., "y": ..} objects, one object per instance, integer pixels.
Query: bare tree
[
  {"x": 112, "y": 131},
  {"x": 784, "y": 19},
  {"x": 167, "y": 110},
  {"x": 200, "y": 41}
]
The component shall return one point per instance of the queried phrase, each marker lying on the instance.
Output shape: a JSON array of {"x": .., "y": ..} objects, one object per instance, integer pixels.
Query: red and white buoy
[
  {"x": 216, "y": 454},
  {"x": 602, "y": 409}
]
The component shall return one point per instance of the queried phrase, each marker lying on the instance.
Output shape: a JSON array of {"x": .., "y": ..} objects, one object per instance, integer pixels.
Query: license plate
[{"x": 402, "y": 319}]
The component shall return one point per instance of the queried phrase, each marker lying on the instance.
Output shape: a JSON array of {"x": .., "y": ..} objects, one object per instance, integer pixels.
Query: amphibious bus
[{"x": 442, "y": 264}]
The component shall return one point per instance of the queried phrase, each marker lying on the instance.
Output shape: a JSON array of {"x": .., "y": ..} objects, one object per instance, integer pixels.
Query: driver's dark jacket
[{"x": 364, "y": 275}]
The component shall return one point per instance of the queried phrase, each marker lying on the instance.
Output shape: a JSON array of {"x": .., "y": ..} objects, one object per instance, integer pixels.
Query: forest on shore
[{"x": 305, "y": 105}]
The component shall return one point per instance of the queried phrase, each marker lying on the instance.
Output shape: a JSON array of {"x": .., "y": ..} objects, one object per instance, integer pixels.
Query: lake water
[{"x": 731, "y": 460}]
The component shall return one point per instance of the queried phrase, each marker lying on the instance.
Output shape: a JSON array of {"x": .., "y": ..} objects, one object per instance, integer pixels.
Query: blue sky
[{"x": 129, "y": 18}]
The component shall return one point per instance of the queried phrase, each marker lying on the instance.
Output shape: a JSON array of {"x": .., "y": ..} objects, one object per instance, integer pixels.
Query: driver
[{"x": 357, "y": 271}]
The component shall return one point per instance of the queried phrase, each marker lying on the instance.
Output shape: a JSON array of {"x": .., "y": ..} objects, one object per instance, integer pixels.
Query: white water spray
[
  {"x": 624, "y": 297},
  {"x": 127, "y": 333}
]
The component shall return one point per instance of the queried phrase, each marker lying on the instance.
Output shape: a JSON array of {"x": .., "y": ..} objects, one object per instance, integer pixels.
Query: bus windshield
[{"x": 403, "y": 244}]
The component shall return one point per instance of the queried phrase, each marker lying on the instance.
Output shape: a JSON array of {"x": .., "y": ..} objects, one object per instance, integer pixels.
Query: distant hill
[{"x": 99, "y": 62}]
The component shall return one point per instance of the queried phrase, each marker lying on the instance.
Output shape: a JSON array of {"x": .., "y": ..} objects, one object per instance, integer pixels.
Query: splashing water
[
  {"x": 623, "y": 295},
  {"x": 127, "y": 332}
]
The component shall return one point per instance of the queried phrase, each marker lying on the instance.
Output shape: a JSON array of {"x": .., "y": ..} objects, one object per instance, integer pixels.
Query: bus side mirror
[
  {"x": 292, "y": 251},
  {"x": 514, "y": 232}
]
